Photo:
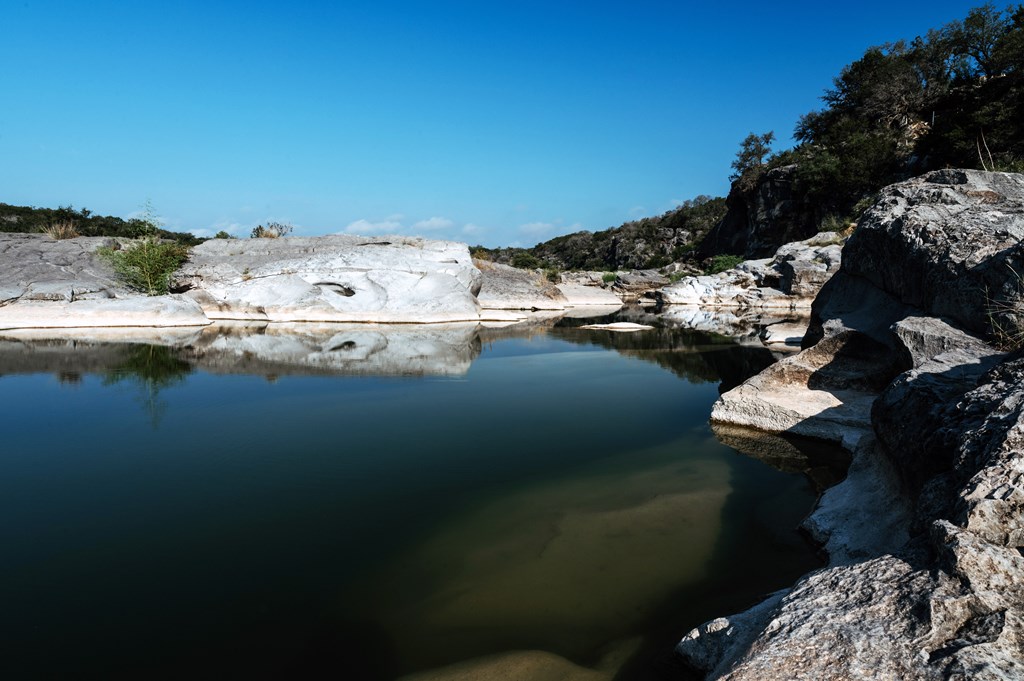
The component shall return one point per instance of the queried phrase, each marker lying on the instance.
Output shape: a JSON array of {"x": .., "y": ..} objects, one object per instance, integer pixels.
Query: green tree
[{"x": 754, "y": 149}]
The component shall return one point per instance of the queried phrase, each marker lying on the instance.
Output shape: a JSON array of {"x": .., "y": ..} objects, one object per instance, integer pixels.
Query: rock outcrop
[
  {"x": 761, "y": 218},
  {"x": 787, "y": 281},
  {"x": 337, "y": 278},
  {"x": 57, "y": 284},
  {"x": 64, "y": 284},
  {"x": 925, "y": 533}
]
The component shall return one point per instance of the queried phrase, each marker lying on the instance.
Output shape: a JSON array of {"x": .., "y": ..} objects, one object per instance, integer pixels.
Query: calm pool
[{"x": 371, "y": 503}]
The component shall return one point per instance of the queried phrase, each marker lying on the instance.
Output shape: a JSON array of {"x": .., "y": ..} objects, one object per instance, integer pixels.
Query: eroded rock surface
[
  {"x": 337, "y": 278},
  {"x": 925, "y": 534},
  {"x": 787, "y": 281}
]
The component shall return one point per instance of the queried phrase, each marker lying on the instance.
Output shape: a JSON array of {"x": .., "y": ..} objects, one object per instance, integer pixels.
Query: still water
[{"x": 365, "y": 503}]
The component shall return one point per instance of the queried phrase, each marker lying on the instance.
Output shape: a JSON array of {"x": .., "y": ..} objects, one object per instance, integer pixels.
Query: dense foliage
[
  {"x": 954, "y": 97},
  {"x": 641, "y": 244}
]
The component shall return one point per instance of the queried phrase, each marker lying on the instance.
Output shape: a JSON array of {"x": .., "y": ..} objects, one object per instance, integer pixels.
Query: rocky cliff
[
  {"x": 901, "y": 367},
  {"x": 761, "y": 217}
]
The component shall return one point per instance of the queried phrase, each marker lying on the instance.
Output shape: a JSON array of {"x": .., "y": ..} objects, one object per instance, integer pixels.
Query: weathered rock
[
  {"x": 335, "y": 278},
  {"x": 34, "y": 267},
  {"x": 761, "y": 218},
  {"x": 940, "y": 597},
  {"x": 157, "y": 311},
  {"x": 581, "y": 296},
  {"x": 787, "y": 281},
  {"x": 946, "y": 243},
  {"x": 509, "y": 288}
]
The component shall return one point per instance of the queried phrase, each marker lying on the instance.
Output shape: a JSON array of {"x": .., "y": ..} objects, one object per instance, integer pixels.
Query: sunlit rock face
[
  {"x": 787, "y": 281},
  {"x": 333, "y": 279},
  {"x": 925, "y": 534}
]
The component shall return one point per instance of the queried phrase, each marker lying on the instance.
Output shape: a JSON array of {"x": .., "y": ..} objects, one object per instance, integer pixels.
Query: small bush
[
  {"x": 721, "y": 263},
  {"x": 834, "y": 223},
  {"x": 222, "y": 235},
  {"x": 146, "y": 264},
  {"x": 61, "y": 229},
  {"x": 553, "y": 275},
  {"x": 273, "y": 230},
  {"x": 609, "y": 277},
  {"x": 525, "y": 261}
]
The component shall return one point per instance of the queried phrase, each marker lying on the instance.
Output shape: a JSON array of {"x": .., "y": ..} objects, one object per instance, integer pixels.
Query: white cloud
[
  {"x": 203, "y": 233},
  {"x": 471, "y": 228},
  {"x": 538, "y": 229},
  {"x": 232, "y": 228},
  {"x": 367, "y": 227},
  {"x": 434, "y": 223}
]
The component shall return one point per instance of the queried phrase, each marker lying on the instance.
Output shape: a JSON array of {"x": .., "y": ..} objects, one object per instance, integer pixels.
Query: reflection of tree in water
[
  {"x": 696, "y": 356},
  {"x": 152, "y": 368}
]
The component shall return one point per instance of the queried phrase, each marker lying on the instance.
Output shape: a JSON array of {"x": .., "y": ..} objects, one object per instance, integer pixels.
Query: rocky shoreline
[
  {"x": 899, "y": 365},
  {"x": 926, "y": 579}
]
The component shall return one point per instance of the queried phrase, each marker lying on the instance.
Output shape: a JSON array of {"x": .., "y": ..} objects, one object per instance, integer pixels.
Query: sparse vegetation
[
  {"x": 146, "y": 264},
  {"x": 1006, "y": 315},
  {"x": 62, "y": 229},
  {"x": 722, "y": 263},
  {"x": 273, "y": 230},
  {"x": 609, "y": 277}
]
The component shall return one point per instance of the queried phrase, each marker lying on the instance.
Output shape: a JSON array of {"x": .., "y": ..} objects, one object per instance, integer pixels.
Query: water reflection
[{"x": 561, "y": 496}]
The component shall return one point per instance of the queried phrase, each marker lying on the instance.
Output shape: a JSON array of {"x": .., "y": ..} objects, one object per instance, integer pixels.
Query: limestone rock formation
[
  {"x": 925, "y": 533},
  {"x": 339, "y": 278},
  {"x": 787, "y": 281}
]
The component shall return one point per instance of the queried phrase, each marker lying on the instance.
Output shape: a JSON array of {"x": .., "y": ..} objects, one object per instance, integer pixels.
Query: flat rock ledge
[
  {"x": 48, "y": 284},
  {"x": 925, "y": 534}
]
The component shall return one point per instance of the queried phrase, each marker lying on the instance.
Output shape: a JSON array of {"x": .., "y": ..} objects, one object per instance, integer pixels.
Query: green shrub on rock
[{"x": 146, "y": 264}]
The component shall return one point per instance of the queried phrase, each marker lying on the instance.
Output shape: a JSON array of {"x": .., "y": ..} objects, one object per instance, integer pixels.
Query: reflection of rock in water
[
  {"x": 262, "y": 349},
  {"x": 344, "y": 349},
  {"x": 824, "y": 463}
]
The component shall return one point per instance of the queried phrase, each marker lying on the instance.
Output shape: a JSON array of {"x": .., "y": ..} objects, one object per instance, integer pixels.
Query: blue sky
[{"x": 502, "y": 123}]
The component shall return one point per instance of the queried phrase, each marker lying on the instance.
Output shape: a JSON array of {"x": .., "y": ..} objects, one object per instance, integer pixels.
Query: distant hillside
[
  {"x": 26, "y": 219},
  {"x": 952, "y": 98},
  {"x": 649, "y": 243}
]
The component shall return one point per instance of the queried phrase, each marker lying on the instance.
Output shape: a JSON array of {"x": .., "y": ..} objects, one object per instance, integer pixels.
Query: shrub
[
  {"x": 146, "y": 264},
  {"x": 222, "y": 235},
  {"x": 61, "y": 229},
  {"x": 273, "y": 230},
  {"x": 553, "y": 275},
  {"x": 525, "y": 261},
  {"x": 721, "y": 263},
  {"x": 609, "y": 277}
]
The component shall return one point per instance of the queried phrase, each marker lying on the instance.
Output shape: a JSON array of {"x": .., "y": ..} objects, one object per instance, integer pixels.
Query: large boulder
[
  {"x": 925, "y": 532},
  {"x": 337, "y": 278}
]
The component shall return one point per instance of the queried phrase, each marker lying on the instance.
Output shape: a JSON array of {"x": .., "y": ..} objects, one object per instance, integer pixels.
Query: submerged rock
[{"x": 925, "y": 533}]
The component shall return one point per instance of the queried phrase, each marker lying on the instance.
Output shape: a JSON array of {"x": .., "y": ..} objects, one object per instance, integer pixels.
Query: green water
[{"x": 554, "y": 504}]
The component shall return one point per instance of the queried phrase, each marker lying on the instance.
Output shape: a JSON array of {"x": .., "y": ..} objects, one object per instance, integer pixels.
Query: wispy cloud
[
  {"x": 537, "y": 230},
  {"x": 470, "y": 229},
  {"x": 434, "y": 223},
  {"x": 367, "y": 227}
]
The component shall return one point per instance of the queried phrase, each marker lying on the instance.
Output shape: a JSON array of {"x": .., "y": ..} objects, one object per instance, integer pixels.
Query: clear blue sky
[{"x": 483, "y": 121}]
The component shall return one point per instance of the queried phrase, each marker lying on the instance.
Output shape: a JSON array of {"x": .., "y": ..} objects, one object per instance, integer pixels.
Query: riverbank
[{"x": 899, "y": 366}]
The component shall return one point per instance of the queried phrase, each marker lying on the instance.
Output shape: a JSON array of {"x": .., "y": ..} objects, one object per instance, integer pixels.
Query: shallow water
[{"x": 551, "y": 502}]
